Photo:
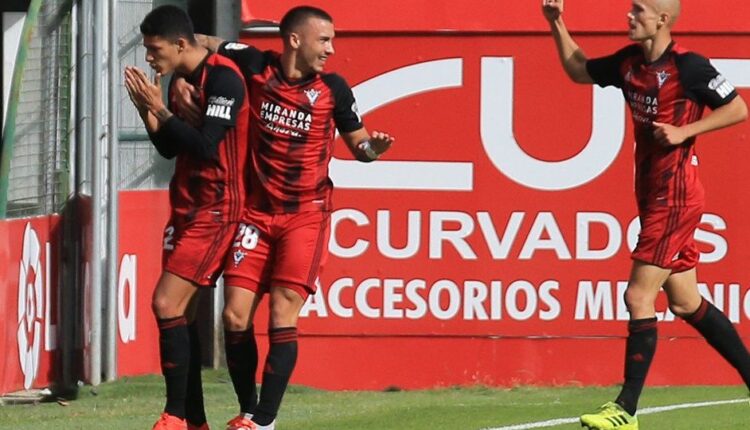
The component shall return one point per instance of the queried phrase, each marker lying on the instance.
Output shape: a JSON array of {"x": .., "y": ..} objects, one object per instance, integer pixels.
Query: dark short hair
[
  {"x": 169, "y": 22},
  {"x": 297, "y": 16}
]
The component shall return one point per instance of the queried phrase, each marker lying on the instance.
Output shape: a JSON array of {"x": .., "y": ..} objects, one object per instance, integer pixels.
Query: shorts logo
[
  {"x": 662, "y": 77},
  {"x": 238, "y": 257},
  {"x": 722, "y": 87},
  {"x": 312, "y": 95}
]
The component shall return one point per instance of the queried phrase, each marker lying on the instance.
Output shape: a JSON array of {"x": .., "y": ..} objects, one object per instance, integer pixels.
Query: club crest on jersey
[
  {"x": 662, "y": 77},
  {"x": 312, "y": 95},
  {"x": 238, "y": 257}
]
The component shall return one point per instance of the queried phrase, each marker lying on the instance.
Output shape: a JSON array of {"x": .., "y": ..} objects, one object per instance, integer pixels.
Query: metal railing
[{"x": 35, "y": 172}]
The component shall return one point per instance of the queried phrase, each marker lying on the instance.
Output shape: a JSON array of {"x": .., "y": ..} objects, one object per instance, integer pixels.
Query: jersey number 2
[{"x": 168, "y": 238}]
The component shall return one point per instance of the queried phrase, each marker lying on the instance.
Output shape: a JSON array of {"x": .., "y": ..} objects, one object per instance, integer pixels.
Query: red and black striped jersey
[
  {"x": 674, "y": 89},
  {"x": 292, "y": 129},
  {"x": 210, "y": 184}
]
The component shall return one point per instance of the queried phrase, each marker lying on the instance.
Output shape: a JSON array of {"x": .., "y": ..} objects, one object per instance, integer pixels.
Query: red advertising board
[
  {"x": 491, "y": 244},
  {"x": 142, "y": 218},
  {"x": 28, "y": 302},
  {"x": 385, "y": 16}
]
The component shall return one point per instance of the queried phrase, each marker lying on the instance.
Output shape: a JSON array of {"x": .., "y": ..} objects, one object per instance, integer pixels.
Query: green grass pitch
[{"x": 135, "y": 403}]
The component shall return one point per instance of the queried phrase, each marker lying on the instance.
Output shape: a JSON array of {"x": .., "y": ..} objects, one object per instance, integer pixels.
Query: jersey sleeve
[
  {"x": 249, "y": 58},
  {"x": 703, "y": 83},
  {"x": 225, "y": 93},
  {"x": 606, "y": 71},
  {"x": 345, "y": 112},
  {"x": 164, "y": 146}
]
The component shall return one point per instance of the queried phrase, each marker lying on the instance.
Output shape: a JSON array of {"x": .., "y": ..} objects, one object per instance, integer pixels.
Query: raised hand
[
  {"x": 552, "y": 9},
  {"x": 146, "y": 94},
  {"x": 132, "y": 85},
  {"x": 380, "y": 142}
]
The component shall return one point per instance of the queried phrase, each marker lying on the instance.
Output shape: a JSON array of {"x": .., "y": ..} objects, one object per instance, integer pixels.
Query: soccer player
[
  {"x": 667, "y": 88},
  {"x": 295, "y": 109},
  {"x": 206, "y": 193}
]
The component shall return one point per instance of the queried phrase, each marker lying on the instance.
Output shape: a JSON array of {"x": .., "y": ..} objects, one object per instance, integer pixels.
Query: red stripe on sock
[
  {"x": 168, "y": 323},
  {"x": 235, "y": 337},
  {"x": 698, "y": 315},
  {"x": 282, "y": 335},
  {"x": 638, "y": 326}
]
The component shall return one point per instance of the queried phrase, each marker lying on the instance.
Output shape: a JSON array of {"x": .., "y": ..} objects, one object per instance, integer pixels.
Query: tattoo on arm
[
  {"x": 163, "y": 115},
  {"x": 210, "y": 42}
]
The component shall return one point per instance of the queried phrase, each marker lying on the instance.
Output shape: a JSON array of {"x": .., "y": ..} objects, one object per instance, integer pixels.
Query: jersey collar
[
  {"x": 196, "y": 76},
  {"x": 297, "y": 82},
  {"x": 664, "y": 55}
]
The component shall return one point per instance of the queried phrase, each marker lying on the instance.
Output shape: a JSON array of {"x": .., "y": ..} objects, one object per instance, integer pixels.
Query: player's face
[
  {"x": 643, "y": 20},
  {"x": 315, "y": 44},
  {"x": 161, "y": 54}
]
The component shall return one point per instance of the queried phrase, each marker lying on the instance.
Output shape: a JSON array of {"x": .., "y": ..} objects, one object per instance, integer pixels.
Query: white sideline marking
[{"x": 644, "y": 411}]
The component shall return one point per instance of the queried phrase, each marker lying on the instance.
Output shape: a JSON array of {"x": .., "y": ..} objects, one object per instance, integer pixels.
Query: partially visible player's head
[
  {"x": 647, "y": 18},
  {"x": 167, "y": 31},
  {"x": 308, "y": 32},
  {"x": 671, "y": 8}
]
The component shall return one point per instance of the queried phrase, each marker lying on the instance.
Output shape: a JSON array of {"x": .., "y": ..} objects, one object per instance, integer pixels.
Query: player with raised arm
[
  {"x": 295, "y": 110},
  {"x": 667, "y": 88},
  {"x": 206, "y": 193}
]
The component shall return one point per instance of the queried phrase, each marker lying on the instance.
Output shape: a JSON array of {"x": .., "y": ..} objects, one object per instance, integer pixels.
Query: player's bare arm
[
  {"x": 148, "y": 94},
  {"x": 571, "y": 55},
  {"x": 209, "y": 42},
  {"x": 732, "y": 113},
  {"x": 366, "y": 147}
]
